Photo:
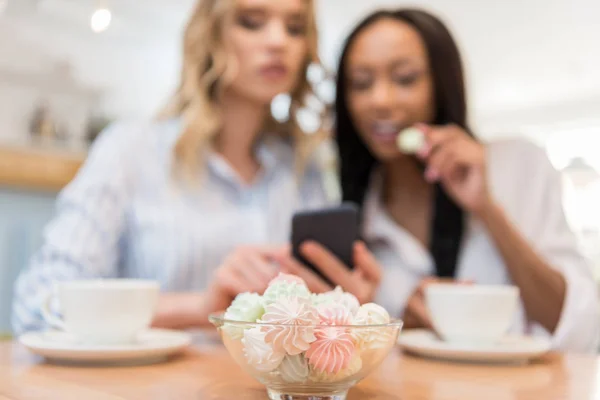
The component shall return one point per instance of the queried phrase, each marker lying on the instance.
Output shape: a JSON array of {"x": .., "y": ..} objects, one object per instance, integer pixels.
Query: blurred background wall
[{"x": 532, "y": 71}]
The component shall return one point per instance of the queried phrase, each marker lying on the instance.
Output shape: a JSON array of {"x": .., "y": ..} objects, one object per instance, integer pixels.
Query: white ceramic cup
[
  {"x": 471, "y": 314},
  {"x": 111, "y": 311}
]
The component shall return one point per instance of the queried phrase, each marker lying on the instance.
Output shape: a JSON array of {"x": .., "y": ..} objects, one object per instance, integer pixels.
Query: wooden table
[{"x": 206, "y": 372}]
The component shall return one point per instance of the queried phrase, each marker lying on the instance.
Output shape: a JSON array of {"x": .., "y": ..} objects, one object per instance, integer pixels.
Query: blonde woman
[{"x": 174, "y": 200}]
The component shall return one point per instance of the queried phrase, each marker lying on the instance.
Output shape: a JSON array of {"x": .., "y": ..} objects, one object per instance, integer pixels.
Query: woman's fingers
[
  {"x": 231, "y": 281},
  {"x": 263, "y": 268},
  {"x": 418, "y": 310},
  {"x": 328, "y": 264},
  {"x": 289, "y": 265},
  {"x": 365, "y": 261}
]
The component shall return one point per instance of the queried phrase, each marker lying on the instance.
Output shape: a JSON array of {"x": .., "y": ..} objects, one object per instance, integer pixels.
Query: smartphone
[{"x": 335, "y": 228}]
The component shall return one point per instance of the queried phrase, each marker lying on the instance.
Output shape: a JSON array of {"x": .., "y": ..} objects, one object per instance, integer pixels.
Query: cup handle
[{"x": 50, "y": 318}]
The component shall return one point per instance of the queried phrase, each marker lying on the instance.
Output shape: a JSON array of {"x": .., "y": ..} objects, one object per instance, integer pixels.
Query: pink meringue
[
  {"x": 353, "y": 368},
  {"x": 287, "y": 278},
  {"x": 335, "y": 315},
  {"x": 297, "y": 317},
  {"x": 332, "y": 351}
]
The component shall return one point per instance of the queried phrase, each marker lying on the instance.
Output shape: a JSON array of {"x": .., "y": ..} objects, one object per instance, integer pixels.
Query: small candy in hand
[{"x": 410, "y": 140}]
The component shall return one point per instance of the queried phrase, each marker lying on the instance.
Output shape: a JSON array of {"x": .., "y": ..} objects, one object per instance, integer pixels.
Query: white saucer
[
  {"x": 511, "y": 349},
  {"x": 152, "y": 346}
]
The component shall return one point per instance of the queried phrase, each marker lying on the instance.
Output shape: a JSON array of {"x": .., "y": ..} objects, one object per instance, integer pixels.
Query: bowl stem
[{"x": 276, "y": 395}]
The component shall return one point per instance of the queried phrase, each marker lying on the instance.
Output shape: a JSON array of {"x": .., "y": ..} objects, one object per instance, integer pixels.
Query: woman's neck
[
  {"x": 407, "y": 197},
  {"x": 243, "y": 120},
  {"x": 403, "y": 179}
]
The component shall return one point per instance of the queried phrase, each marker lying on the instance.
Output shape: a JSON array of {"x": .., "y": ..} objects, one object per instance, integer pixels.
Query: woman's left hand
[
  {"x": 363, "y": 281},
  {"x": 459, "y": 162}
]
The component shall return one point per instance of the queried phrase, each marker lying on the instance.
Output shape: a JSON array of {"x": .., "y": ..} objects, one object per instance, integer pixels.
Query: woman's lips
[{"x": 274, "y": 72}]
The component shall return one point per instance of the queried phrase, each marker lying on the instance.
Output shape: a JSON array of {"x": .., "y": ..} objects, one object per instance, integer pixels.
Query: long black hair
[{"x": 357, "y": 162}]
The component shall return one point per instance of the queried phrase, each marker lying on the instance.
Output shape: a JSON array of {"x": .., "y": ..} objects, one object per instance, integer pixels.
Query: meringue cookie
[
  {"x": 376, "y": 337},
  {"x": 337, "y": 296},
  {"x": 410, "y": 140},
  {"x": 372, "y": 314},
  {"x": 354, "y": 367},
  {"x": 332, "y": 351},
  {"x": 259, "y": 354},
  {"x": 294, "y": 369},
  {"x": 287, "y": 278},
  {"x": 247, "y": 307},
  {"x": 280, "y": 289},
  {"x": 298, "y": 318},
  {"x": 335, "y": 314}
]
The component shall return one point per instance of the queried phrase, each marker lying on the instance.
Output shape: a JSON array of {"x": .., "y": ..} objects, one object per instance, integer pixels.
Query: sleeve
[
  {"x": 82, "y": 241},
  {"x": 579, "y": 326}
]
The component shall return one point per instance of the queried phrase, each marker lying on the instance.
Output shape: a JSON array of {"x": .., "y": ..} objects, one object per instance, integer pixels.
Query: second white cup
[{"x": 471, "y": 314}]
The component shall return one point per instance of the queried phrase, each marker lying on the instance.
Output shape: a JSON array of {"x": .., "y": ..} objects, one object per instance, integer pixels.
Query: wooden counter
[
  {"x": 206, "y": 371},
  {"x": 39, "y": 168}
]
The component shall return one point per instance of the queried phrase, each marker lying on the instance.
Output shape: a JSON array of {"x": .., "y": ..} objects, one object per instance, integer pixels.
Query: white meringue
[
  {"x": 337, "y": 296},
  {"x": 247, "y": 307},
  {"x": 298, "y": 318},
  {"x": 259, "y": 354},
  {"x": 294, "y": 369},
  {"x": 280, "y": 289},
  {"x": 410, "y": 140},
  {"x": 376, "y": 337}
]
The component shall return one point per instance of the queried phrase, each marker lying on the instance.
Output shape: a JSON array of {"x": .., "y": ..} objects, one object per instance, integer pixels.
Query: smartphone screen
[{"x": 335, "y": 228}]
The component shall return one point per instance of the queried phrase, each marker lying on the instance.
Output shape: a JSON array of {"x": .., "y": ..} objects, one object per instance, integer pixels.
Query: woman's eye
[
  {"x": 406, "y": 79},
  {"x": 252, "y": 23},
  {"x": 360, "y": 84},
  {"x": 297, "y": 29}
]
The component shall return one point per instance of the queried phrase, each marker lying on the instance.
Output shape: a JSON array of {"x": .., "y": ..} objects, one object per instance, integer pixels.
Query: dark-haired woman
[{"x": 458, "y": 210}]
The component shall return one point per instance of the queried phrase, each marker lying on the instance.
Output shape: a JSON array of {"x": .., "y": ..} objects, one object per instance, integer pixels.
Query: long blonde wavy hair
[{"x": 208, "y": 68}]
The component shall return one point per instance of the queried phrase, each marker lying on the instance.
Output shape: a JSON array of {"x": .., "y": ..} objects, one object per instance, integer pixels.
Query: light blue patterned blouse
[{"x": 124, "y": 216}]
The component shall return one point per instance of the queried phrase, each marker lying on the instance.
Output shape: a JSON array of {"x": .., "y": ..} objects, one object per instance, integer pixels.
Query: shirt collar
[
  {"x": 267, "y": 153},
  {"x": 379, "y": 227}
]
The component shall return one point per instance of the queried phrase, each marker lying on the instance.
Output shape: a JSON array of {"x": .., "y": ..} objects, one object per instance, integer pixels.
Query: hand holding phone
[{"x": 334, "y": 256}]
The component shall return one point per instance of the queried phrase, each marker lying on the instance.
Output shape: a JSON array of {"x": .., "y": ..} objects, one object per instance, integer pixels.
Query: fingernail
[
  {"x": 306, "y": 246},
  {"x": 423, "y": 152},
  {"x": 431, "y": 175}
]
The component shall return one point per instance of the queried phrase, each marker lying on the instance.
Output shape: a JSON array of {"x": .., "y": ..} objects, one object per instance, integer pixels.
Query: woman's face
[
  {"x": 269, "y": 43},
  {"x": 389, "y": 85}
]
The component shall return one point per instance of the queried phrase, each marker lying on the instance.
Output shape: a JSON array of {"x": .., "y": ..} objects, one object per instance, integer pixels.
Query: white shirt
[{"x": 526, "y": 185}]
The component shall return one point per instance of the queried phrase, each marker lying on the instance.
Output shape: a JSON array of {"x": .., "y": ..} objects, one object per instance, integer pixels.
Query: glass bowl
[{"x": 338, "y": 359}]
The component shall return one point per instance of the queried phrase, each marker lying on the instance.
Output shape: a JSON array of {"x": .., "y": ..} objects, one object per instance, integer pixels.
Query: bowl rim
[{"x": 218, "y": 319}]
